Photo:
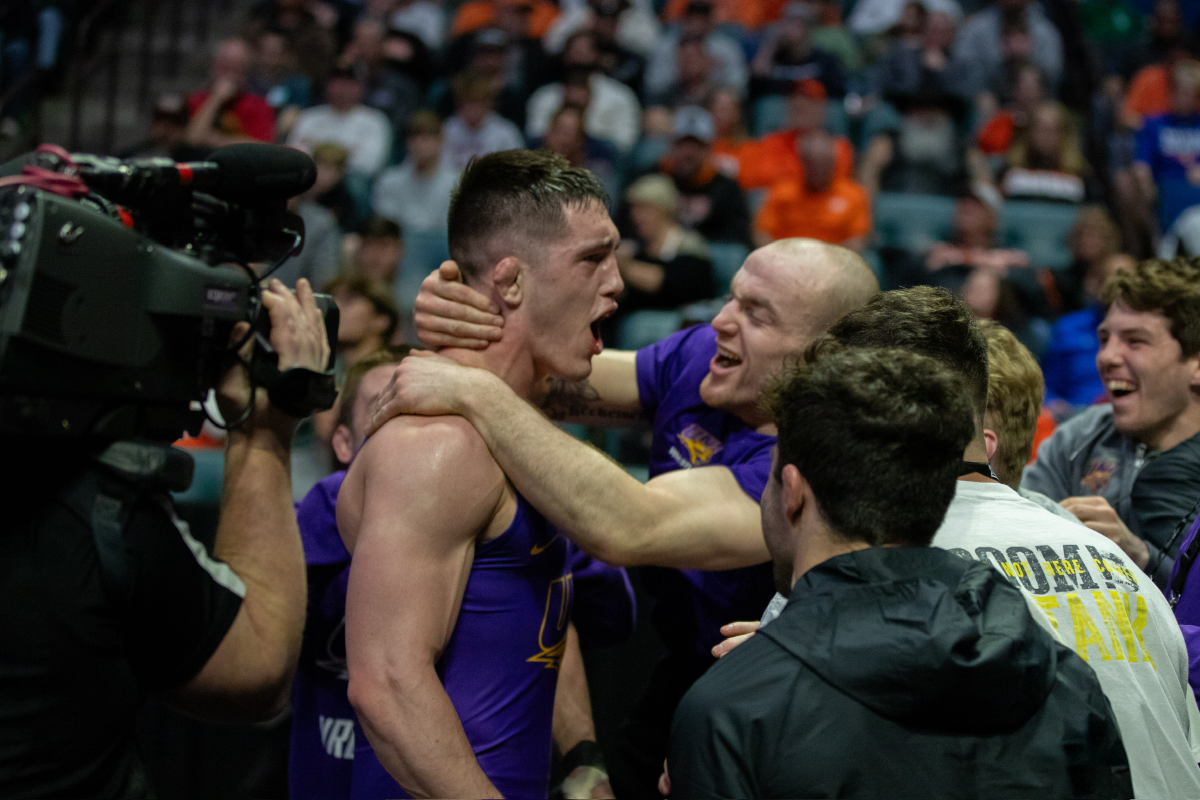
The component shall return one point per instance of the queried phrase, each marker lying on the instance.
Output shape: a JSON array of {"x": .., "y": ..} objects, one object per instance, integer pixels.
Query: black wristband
[{"x": 585, "y": 754}]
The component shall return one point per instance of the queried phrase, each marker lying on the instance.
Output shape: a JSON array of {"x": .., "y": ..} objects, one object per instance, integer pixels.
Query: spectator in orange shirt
[
  {"x": 472, "y": 15},
  {"x": 1150, "y": 88},
  {"x": 818, "y": 206},
  {"x": 746, "y": 13},
  {"x": 774, "y": 157}
]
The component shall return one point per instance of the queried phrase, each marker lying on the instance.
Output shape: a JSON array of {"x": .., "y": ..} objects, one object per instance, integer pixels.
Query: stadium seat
[
  {"x": 727, "y": 258},
  {"x": 912, "y": 221},
  {"x": 770, "y": 114},
  {"x": 642, "y": 328},
  {"x": 1040, "y": 229}
]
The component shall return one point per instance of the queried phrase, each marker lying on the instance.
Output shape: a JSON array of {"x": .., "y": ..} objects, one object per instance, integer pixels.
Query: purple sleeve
[
  {"x": 657, "y": 368},
  {"x": 753, "y": 473}
]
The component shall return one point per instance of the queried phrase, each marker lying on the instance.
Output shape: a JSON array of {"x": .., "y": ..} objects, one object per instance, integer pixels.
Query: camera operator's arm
[{"x": 249, "y": 674}]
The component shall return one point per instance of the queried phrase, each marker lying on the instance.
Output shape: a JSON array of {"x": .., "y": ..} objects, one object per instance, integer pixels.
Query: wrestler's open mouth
[
  {"x": 1120, "y": 388},
  {"x": 596, "y": 329},
  {"x": 725, "y": 358}
]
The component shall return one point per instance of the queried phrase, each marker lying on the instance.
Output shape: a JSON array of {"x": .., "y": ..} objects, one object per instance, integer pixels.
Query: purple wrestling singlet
[{"x": 500, "y": 667}]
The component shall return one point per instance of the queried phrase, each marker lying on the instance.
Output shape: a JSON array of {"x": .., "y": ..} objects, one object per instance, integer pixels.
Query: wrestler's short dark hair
[
  {"x": 924, "y": 320},
  {"x": 512, "y": 199},
  {"x": 879, "y": 436}
]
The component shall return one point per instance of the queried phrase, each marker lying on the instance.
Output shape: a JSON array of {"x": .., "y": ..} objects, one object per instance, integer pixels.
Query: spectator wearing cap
[
  {"x": 709, "y": 202},
  {"x": 224, "y": 112},
  {"x": 516, "y": 64},
  {"x": 422, "y": 18},
  {"x": 728, "y": 61},
  {"x": 476, "y": 129},
  {"x": 787, "y": 55},
  {"x": 819, "y": 206},
  {"x": 531, "y": 18},
  {"x": 416, "y": 193},
  {"x": 1010, "y": 29},
  {"x": 621, "y": 26},
  {"x": 774, "y": 157},
  {"x": 364, "y": 132},
  {"x": 612, "y": 113},
  {"x": 664, "y": 265},
  {"x": 566, "y": 136},
  {"x": 168, "y": 132}
]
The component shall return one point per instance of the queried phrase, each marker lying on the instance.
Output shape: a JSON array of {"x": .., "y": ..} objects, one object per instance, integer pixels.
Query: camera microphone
[{"x": 244, "y": 173}]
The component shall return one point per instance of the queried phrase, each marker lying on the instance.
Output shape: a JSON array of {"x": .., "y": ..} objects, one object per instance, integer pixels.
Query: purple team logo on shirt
[
  {"x": 552, "y": 637},
  {"x": 1099, "y": 472},
  {"x": 700, "y": 445}
]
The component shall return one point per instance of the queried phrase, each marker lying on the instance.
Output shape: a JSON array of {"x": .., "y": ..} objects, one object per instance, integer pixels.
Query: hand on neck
[{"x": 509, "y": 359}]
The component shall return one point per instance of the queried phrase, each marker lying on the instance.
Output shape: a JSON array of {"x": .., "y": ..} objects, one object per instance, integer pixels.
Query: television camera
[{"x": 121, "y": 283}]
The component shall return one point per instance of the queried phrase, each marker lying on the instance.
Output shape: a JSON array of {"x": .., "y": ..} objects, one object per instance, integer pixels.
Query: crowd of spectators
[{"x": 1063, "y": 137}]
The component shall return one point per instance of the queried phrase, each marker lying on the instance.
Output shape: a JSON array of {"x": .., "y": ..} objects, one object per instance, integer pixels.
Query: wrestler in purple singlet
[{"x": 500, "y": 667}]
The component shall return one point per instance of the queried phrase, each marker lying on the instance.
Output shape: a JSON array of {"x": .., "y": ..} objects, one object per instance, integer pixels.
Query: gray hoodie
[{"x": 1151, "y": 491}]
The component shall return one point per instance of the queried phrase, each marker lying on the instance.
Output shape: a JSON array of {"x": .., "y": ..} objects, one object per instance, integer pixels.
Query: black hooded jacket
[{"x": 899, "y": 673}]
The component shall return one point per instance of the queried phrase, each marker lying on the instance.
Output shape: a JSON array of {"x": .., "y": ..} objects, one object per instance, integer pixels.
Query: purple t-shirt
[
  {"x": 1187, "y": 609},
  {"x": 691, "y": 604},
  {"x": 321, "y": 754}
]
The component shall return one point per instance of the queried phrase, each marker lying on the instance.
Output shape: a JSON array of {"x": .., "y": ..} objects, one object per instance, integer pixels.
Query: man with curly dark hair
[{"x": 1130, "y": 468}]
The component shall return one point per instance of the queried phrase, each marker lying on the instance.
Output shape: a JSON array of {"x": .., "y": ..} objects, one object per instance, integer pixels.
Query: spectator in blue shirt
[{"x": 1167, "y": 153}]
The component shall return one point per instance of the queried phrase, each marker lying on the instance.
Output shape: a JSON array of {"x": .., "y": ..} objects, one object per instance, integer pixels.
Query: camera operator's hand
[
  {"x": 298, "y": 336},
  {"x": 249, "y": 675}
]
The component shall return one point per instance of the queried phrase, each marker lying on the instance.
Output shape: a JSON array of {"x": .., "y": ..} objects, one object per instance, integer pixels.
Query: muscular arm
[
  {"x": 698, "y": 518},
  {"x": 410, "y": 567}
]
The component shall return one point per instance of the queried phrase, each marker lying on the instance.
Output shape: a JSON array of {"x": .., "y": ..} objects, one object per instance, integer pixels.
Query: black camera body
[{"x": 108, "y": 333}]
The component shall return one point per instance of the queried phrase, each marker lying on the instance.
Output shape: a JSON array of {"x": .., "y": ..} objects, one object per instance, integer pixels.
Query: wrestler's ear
[
  {"x": 343, "y": 444},
  {"x": 508, "y": 280}
]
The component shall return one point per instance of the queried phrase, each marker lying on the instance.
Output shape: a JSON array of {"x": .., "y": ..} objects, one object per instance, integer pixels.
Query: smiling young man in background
[{"x": 1130, "y": 468}]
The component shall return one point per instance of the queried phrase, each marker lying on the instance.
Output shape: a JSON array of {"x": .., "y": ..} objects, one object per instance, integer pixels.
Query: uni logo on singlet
[
  {"x": 552, "y": 637},
  {"x": 700, "y": 445}
]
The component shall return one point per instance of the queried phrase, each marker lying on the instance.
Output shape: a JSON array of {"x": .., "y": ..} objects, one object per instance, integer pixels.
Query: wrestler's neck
[{"x": 510, "y": 359}]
